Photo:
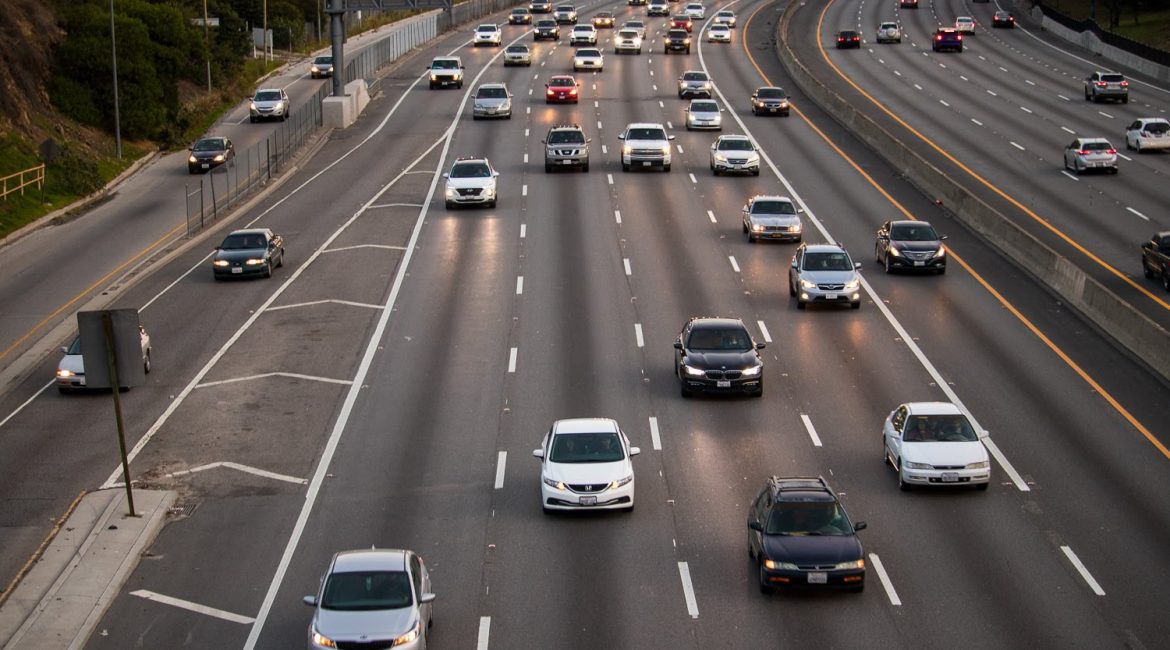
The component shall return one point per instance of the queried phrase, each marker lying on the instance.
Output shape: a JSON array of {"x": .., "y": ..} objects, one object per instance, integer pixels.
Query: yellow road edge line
[{"x": 1149, "y": 436}]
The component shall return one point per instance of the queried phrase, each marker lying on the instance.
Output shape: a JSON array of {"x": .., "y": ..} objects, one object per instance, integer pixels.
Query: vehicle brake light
[
  {"x": 1101, "y": 84},
  {"x": 1111, "y": 152},
  {"x": 960, "y": 37},
  {"x": 938, "y": 37},
  {"x": 1084, "y": 152},
  {"x": 1124, "y": 84}
]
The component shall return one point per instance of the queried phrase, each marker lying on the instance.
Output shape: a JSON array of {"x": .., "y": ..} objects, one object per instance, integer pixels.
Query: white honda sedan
[
  {"x": 933, "y": 443},
  {"x": 695, "y": 11},
  {"x": 585, "y": 465}
]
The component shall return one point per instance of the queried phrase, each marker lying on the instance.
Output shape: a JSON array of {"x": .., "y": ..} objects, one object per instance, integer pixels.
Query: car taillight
[
  {"x": 1111, "y": 152},
  {"x": 960, "y": 37},
  {"x": 1084, "y": 152},
  {"x": 938, "y": 37},
  {"x": 1101, "y": 84},
  {"x": 1124, "y": 84}
]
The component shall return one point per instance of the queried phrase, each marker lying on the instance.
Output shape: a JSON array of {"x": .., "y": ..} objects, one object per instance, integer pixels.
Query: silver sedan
[{"x": 704, "y": 114}]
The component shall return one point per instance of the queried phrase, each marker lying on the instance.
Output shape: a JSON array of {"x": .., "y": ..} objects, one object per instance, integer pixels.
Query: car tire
[
  {"x": 1125, "y": 100},
  {"x": 146, "y": 363},
  {"x": 942, "y": 270},
  {"x": 268, "y": 270},
  {"x": 902, "y": 485},
  {"x": 547, "y": 168},
  {"x": 474, "y": 117},
  {"x": 886, "y": 264},
  {"x": 625, "y": 167},
  {"x": 1146, "y": 270},
  {"x": 791, "y": 288},
  {"x": 585, "y": 168},
  {"x": 252, "y": 119},
  {"x": 683, "y": 390},
  {"x": 666, "y": 168},
  {"x": 280, "y": 263},
  {"x": 64, "y": 390},
  {"x": 546, "y": 510},
  {"x": 492, "y": 205},
  {"x": 1166, "y": 280},
  {"x": 858, "y": 589},
  {"x": 800, "y": 304},
  {"x": 628, "y": 511},
  {"x": 751, "y": 237},
  {"x": 758, "y": 393},
  {"x": 449, "y": 205},
  {"x": 982, "y": 487},
  {"x": 1113, "y": 170},
  {"x": 855, "y": 305},
  {"x": 756, "y": 171}
]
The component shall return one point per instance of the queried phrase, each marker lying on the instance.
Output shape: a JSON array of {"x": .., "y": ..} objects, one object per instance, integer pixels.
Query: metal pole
[
  {"x": 114, "y": 52},
  {"x": 108, "y": 326},
  {"x": 207, "y": 45},
  {"x": 265, "y": 38}
]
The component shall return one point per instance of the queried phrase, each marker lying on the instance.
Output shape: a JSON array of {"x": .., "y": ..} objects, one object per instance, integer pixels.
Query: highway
[{"x": 388, "y": 385}]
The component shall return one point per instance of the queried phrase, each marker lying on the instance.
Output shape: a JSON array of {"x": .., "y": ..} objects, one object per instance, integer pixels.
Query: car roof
[
  {"x": 909, "y": 222},
  {"x": 494, "y": 84},
  {"x": 488, "y": 25},
  {"x": 445, "y": 58},
  {"x": 1093, "y": 140},
  {"x": 946, "y": 30},
  {"x": 590, "y": 51},
  {"x": 932, "y": 408},
  {"x": 734, "y": 136},
  {"x": 249, "y": 231},
  {"x": 562, "y": 76},
  {"x": 565, "y": 127},
  {"x": 370, "y": 560},
  {"x": 801, "y": 488},
  {"x": 471, "y": 159},
  {"x": 585, "y": 425},
  {"x": 823, "y": 248},
  {"x": 770, "y": 197},
  {"x": 714, "y": 322}
]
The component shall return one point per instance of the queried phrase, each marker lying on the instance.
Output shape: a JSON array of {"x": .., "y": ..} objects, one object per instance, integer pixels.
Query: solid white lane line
[
  {"x": 523, "y": 230},
  {"x": 485, "y": 627},
  {"x": 501, "y": 462},
  {"x": 519, "y": 285},
  {"x": 609, "y": 178},
  {"x": 655, "y": 436},
  {"x": 192, "y": 607},
  {"x": 1016, "y": 145},
  {"x": 1065, "y": 172},
  {"x": 617, "y": 216},
  {"x": 626, "y": 263},
  {"x": 1080, "y": 567},
  {"x": 885, "y": 579},
  {"x": 1025, "y": 109},
  {"x": 1105, "y": 114},
  {"x": 1138, "y": 214},
  {"x": 764, "y": 331},
  {"x": 684, "y": 573},
  {"x": 512, "y": 360},
  {"x": 525, "y": 159},
  {"x": 944, "y": 102},
  {"x": 812, "y": 431},
  {"x": 693, "y": 179},
  {"x": 1068, "y": 130},
  {"x": 1064, "y": 98},
  {"x": 524, "y": 190},
  {"x": 711, "y": 216},
  {"x": 977, "y": 122},
  {"x": 734, "y": 264},
  {"x": 638, "y": 335}
]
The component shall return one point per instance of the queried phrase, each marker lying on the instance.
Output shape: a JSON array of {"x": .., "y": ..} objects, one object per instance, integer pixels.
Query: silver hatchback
[{"x": 1084, "y": 154}]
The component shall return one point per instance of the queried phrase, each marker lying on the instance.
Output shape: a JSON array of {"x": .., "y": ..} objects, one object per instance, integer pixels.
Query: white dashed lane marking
[
  {"x": 512, "y": 360},
  {"x": 617, "y": 216},
  {"x": 812, "y": 431},
  {"x": 734, "y": 264},
  {"x": 485, "y": 627},
  {"x": 1138, "y": 214},
  {"x": 609, "y": 178},
  {"x": 638, "y": 335},
  {"x": 684, "y": 573},
  {"x": 523, "y": 230},
  {"x": 944, "y": 103},
  {"x": 1080, "y": 567},
  {"x": 1025, "y": 109},
  {"x": 977, "y": 122},
  {"x": 693, "y": 179},
  {"x": 655, "y": 437},
  {"x": 1067, "y": 130},
  {"x": 1016, "y": 146},
  {"x": 626, "y": 264},
  {"x": 885, "y": 579},
  {"x": 519, "y": 285},
  {"x": 711, "y": 216},
  {"x": 501, "y": 462}
]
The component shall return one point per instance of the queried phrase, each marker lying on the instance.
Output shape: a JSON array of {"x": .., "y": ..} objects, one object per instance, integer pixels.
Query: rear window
[
  {"x": 1096, "y": 146},
  {"x": 1113, "y": 78},
  {"x": 1157, "y": 128}
]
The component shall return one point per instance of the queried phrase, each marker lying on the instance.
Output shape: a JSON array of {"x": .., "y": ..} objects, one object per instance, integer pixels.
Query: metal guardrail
[{"x": 21, "y": 180}]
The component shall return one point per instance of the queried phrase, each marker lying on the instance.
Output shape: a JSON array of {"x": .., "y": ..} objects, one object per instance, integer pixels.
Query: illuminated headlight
[
  {"x": 322, "y": 640},
  {"x": 554, "y": 484},
  {"x": 757, "y": 227},
  {"x": 805, "y": 284},
  {"x": 314, "y": 69},
  {"x": 489, "y": 191},
  {"x": 784, "y": 104},
  {"x": 795, "y": 228},
  {"x": 687, "y": 40},
  {"x": 754, "y": 371},
  {"x": 692, "y": 371},
  {"x": 412, "y": 635},
  {"x": 910, "y": 465},
  {"x": 983, "y": 464},
  {"x": 221, "y": 263},
  {"x": 894, "y": 251},
  {"x": 63, "y": 373},
  {"x": 665, "y": 148},
  {"x": 252, "y": 106},
  {"x": 434, "y": 77},
  {"x": 852, "y": 285},
  {"x": 452, "y": 192},
  {"x": 759, "y": 102},
  {"x": 720, "y": 157},
  {"x": 941, "y": 252},
  {"x": 613, "y": 485},
  {"x": 627, "y": 150},
  {"x": 254, "y": 261},
  {"x": 192, "y": 159},
  {"x": 219, "y": 157},
  {"x": 787, "y": 566},
  {"x": 855, "y": 564}
]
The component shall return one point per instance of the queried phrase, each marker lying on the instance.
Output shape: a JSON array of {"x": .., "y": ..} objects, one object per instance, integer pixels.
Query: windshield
[
  {"x": 210, "y": 144},
  {"x": 808, "y": 518},
  {"x": 694, "y": 76},
  {"x": 323, "y": 59},
  {"x": 267, "y": 96},
  {"x": 548, "y": 24},
  {"x": 445, "y": 65},
  {"x": 827, "y": 262},
  {"x": 628, "y": 33},
  {"x": 916, "y": 232},
  {"x": 566, "y": 137},
  {"x": 491, "y": 93},
  {"x": 562, "y": 82},
  {"x": 771, "y": 93},
  {"x": 242, "y": 242},
  {"x": 603, "y": 447},
  {"x": 646, "y": 134},
  {"x": 367, "y": 590},
  {"x": 735, "y": 144},
  {"x": 773, "y": 207},
  {"x": 564, "y": 7},
  {"x": 486, "y": 28},
  {"x": 704, "y": 107},
  {"x": 719, "y": 339},
  {"x": 470, "y": 170},
  {"x": 939, "y": 428}
]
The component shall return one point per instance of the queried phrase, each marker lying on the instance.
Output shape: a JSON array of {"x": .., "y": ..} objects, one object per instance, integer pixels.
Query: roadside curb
[{"x": 61, "y": 600}]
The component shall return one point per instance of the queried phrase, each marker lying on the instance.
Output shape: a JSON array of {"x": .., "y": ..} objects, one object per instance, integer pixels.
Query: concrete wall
[
  {"x": 1091, "y": 42},
  {"x": 1131, "y": 329}
]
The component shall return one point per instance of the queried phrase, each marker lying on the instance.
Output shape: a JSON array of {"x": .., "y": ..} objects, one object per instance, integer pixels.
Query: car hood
[
  {"x": 74, "y": 363},
  {"x": 829, "y": 277},
  {"x": 208, "y": 155},
  {"x": 917, "y": 246},
  {"x": 812, "y": 549},
  {"x": 648, "y": 144},
  {"x": 373, "y": 625},
  {"x": 267, "y": 103},
  {"x": 705, "y": 115},
  {"x": 944, "y": 453},
  {"x": 589, "y": 473},
  {"x": 492, "y": 102},
  {"x": 776, "y": 219},
  {"x": 461, "y": 183},
  {"x": 240, "y": 254},
  {"x": 734, "y": 360}
]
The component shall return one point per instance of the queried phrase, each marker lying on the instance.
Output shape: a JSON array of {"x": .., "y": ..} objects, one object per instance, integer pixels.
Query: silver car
[
  {"x": 704, "y": 114},
  {"x": 824, "y": 273},
  {"x": 1106, "y": 85},
  {"x": 269, "y": 104},
  {"x": 322, "y": 67},
  {"x": 724, "y": 17},
  {"x": 771, "y": 217},
  {"x": 588, "y": 58},
  {"x": 374, "y": 598},
  {"x": 694, "y": 83},
  {"x": 492, "y": 100},
  {"x": 1084, "y": 154},
  {"x": 734, "y": 153},
  {"x": 889, "y": 33},
  {"x": 71, "y": 368},
  {"x": 518, "y": 54}
]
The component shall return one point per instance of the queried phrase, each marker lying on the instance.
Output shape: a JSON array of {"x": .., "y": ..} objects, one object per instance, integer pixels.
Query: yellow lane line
[
  {"x": 967, "y": 267},
  {"x": 986, "y": 183},
  {"x": 88, "y": 290}
]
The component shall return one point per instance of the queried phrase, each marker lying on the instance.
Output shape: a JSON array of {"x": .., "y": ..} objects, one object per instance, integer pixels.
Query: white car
[
  {"x": 268, "y": 104},
  {"x": 583, "y": 33},
  {"x": 704, "y": 114},
  {"x": 1084, "y": 154},
  {"x": 637, "y": 26},
  {"x": 734, "y": 153},
  {"x": 889, "y": 33},
  {"x": 627, "y": 40},
  {"x": 965, "y": 25},
  {"x": 517, "y": 54},
  {"x": 471, "y": 181},
  {"x": 585, "y": 465},
  {"x": 487, "y": 35},
  {"x": 718, "y": 34},
  {"x": 694, "y": 11},
  {"x": 588, "y": 58},
  {"x": 725, "y": 17},
  {"x": 933, "y": 443},
  {"x": 71, "y": 368},
  {"x": 1148, "y": 133}
]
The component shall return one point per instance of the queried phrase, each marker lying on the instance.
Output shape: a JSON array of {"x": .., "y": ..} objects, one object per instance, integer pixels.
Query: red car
[
  {"x": 847, "y": 38},
  {"x": 562, "y": 88},
  {"x": 681, "y": 22}
]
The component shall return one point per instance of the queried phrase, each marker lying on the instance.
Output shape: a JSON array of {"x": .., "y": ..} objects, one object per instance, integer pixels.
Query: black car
[
  {"x": 546, "y": 29},
  {"x": 718, "y": 355},
  {"x": 209, "y": 153},
  {"x": 800, "y": 536},
  {"x": 910, "y": 245},
  {"x": 947, "y": 38},
  {"x": 255, "y": 251},
  {"x": 520, "y": 16},
  {"x": 676, "y": 40},
  {"x": 848, "y": 38},
  {"x": 1003, "y": 19},
  {"x": 770, "y": 100}
]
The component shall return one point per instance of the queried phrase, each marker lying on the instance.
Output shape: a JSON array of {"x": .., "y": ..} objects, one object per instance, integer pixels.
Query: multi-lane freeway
[{"x": 388, "y": 385}]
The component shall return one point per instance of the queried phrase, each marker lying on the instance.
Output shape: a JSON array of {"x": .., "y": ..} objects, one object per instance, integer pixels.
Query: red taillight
[
  {"x": 938, "y": 37},
  {"x": 1101, "y": 84},
  {"x": 1111, "y": 152},
  {"x": 960, "y": 37},
  {"x": 1124, "y": 84}
]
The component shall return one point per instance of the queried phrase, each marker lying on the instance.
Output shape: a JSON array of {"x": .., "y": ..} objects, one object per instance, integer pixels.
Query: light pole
[
  {"x": 207, "y": 45},
  {"x": 114, "y": 52},
  {"x": 265, "y": 37}
]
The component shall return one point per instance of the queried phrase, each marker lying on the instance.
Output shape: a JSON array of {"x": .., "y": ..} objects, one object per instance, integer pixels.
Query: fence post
[{"x": 202, "y": 205}]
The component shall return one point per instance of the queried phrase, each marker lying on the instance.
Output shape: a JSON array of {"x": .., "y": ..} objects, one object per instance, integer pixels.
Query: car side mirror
[
  {"x": 670, "y": 137},
  {"x": 622, "y": 136},
  {"x": 761, "y": 346},
  {"x": 538, "y": 453},
  {"x": 984, "y": 434},
  {"x": 634, "y": 451},
  {"x": 677, "y": 345},
  {"x": 426, "y": 598},
  {"x": 64, "y": 349},
  {"x": 794, "y": 264},
  {"x": 446, "y": 176},
  {"x": 857, "y": 266},
  {"x": 495, "y": 174},
  {"x": 758, "y": 527},
  {"x": 588, "y": 140},
  {"x": 859, "y": 526},
  {"x": 311, "y": 601},
  {"x": 755, "y": 96},
  {"x": 744, "y": 209},
  {"x": 800, "y": 211},
  {"x": 942, "y": 237},
  {"x": 543, "y": 142}
]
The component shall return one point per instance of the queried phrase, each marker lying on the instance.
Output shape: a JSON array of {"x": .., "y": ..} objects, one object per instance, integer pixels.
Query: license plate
[
  {"x": 723, "y": 383},
  {"x": 646, "y": 163},
  {"x": 772, "y": 109},
  {"x": 919, "y": 263},
  {"x": 818, "y": 578},
  {"x": 588, "y": 501},
  {"x": 566, "y": 162},
  {"x": 830, "y": 296},
  {"x": 207, "y": 165},
  {"x": 950, "y": 477},
  {"x": 238, "y": 269}
]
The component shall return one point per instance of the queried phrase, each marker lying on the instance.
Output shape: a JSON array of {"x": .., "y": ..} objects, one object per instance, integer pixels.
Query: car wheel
[
  {"x": 942, "y": 270},
  {"x": 800, "y": 304},
  {"x": 902, "y": 485},
  {"x": 886, "y": 264},
  {"x": 268, "y": 270},
  {"x": 280, "y": 262},
  {"x": 64, "y": 390},
  {"x": 625, "y": 167},
  {"x": 756, "y": 171},
  {"x": 689, "y": 128},
  {"x": 791, "y": 288},
  {"x": 547, "y": 168},
  {"x": 1125, "y": 100},
  {"x": 1166, "y": 280},
  {"x": 1087, "y": 95},
  {"x": 759, "y": 393},
  {"x": 450, "y": 205},
  {"x": 1146, "y": 270},
  {"x": 1113, "y": 170},
  {"x": 666, "y": 168},
  {"x": 855, "y": 305},
  {"x": 146, "y": 363},
  {"x": 754, "y": 112},
  {"x": 252, "y": 119},
  {"x": 858, "y": 589},
  {"x": 492, "y": 204},
  {"x": 628, "y": 511},
  {"x": 982, "y": 487},
  {"x": 765, "y": 588},
  {"x": 585, "y": 168},
  {"x": 546, "y": 510},
  {"x": 284, "y": 118},
  {"x": 474, "y": 117},
  {"x": 751, "y": 236},
  {"x": 683, "y": 390}
]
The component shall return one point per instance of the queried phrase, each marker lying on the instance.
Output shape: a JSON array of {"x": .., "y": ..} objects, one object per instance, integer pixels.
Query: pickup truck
[{"x": 1156, "y": 258}]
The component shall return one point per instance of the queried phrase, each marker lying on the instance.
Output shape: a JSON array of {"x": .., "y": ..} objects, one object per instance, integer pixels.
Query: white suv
[
  {"x": 585, "y": 465},
  {"x": 646, "y": 144},
  {"x": 471, "y": 181},
  {"x": 583, "y": 33},
  {"x": 488, "y": 35}
]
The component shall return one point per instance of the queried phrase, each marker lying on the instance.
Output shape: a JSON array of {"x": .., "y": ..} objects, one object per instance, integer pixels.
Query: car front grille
[
  {"x": 646, "y": 152},
  {"x": 918, "y": 255},
  {"x": 469, "y": 191},
  {"x": 949, "y": 467},
  {"x": 365, "y": 645},
  {"x": 566, "y": 152},
  {"x": 724, "y": 374},
  {"x": 816, "y": 567},
  {"x": 741, "y": 161},
  {"x": 836, "y": 286},
  {"x": 588, "y": 488}
]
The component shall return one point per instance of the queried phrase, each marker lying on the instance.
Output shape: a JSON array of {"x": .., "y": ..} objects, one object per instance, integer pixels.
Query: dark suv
[
  {"x": 718, "y": 355},
  {"x": 800, "y": 536},
  {"x": 676, "y": 40},
  {"x": 947, "y": 38},
  {"x": 565, "y": 146},
  {"x": 546, "y": 29}
]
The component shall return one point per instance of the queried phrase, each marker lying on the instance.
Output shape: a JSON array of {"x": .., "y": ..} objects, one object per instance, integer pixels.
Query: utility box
[{"x": 127, "y": 340}]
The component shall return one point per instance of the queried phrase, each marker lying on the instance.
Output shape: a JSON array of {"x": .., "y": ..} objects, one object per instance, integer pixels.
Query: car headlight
[
  {"x": 784, "y": 104},
  {"x": 314, "y": 69},
  {"x": 892, "y": 250},
  {"x": 693, "y": 372},
  {"x": 665, "y": 149},
  {"x": 613, "y": 485},
  {"x": 720, "y": 157},
  {"x": 754, "y": 371},
  {"x": 983, "y": 464},
  {"x": 322, "y": 640},
  {"x": 63, "y": 373},
  {"x": 795, "y": 228},
  {"x": 434, "y": 76},
  {"x": 252, "y": 106},
  {"x": 554, "y": 484},
  {"x": 412, "y": 635},
  {"x": 221, "y": 263},
  {"x": 219, "y": 157},
  {"x": 254, "y": 261},
  {"x": 758, "y": 227},
  {"x": 910, "y": 465},
  {"x": 489, "y": 191},
  {"x": 941, "y": 252},
  {"x": 787, "y": 566},
  {"x": 805, "y": 284},
  {"x": 852, "y": 285},
  {"x": 687, "y": 40},
  {"x": 855, "y": 564},
  {"x": 192, "y": 159}
]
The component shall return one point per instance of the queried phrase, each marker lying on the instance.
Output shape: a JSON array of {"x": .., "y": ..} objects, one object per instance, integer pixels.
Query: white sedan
[
  {"x": 965, "y": 25},
  {"x": 718, "y": 34},
  {"x": 694, "y": 11},
  {"x": 725, "y": 17},
  {"x": 588, "y": 58},
  {"x": 71, "y": 368},
  {"x": 933, "y": 443},
  {"x": 488, "y": 35},
  {"x": 585, "y": 465}
]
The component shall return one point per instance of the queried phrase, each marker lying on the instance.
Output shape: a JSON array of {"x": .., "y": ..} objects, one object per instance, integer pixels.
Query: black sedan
[
  {"x": 255, "y": 251},
  {"x": 1003, "y": 19},
  {"x": 718, "y": 355},
  {"x": 209, "y": 153},
  {"x": 910, "y": 245},
  {"x": 848, "y": 38}
]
